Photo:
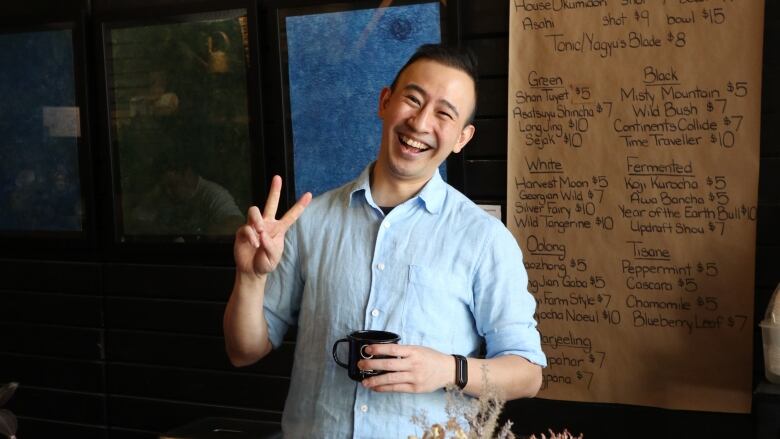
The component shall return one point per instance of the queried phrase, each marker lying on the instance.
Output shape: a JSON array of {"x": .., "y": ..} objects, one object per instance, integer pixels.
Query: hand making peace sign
[{"x": 260, "y": 242}]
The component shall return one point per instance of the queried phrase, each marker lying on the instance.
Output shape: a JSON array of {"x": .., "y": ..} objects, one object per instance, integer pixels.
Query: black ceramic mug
[{"x": 358, "y": 341}]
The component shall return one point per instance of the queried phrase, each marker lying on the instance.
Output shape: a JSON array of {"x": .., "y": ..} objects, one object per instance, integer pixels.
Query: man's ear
[
  {"x": 384, "y": 98},
  {"x": 465, "y": 135}
]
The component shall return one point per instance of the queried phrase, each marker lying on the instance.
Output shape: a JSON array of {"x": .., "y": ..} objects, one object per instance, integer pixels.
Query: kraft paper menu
[{"x": 633, "y": 157}]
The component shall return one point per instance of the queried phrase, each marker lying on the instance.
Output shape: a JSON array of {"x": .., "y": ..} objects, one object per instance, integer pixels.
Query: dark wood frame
[
  {"x": 76, "y": 244},
  {"x": 153, "y": 249},
  {"x": 281, "y": 161}
]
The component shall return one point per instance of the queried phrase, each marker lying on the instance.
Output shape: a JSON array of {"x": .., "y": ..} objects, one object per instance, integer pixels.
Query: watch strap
[{"x": 461, "y": 371}]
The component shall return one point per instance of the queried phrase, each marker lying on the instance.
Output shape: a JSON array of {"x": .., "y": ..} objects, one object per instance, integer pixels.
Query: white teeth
[{"x": 414, "y": 143}]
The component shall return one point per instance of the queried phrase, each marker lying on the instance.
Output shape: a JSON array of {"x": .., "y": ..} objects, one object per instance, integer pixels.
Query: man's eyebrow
[{"x": 418, "y": 89}]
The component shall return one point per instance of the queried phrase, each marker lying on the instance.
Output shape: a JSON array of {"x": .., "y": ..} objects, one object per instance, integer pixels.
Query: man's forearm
[
  {"x": 511, "y": 376},
  {"x": 246, "y": 331}
]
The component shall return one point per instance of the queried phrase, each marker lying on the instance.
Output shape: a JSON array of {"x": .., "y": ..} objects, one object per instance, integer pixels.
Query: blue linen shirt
[{"x": 437, "y": 270}]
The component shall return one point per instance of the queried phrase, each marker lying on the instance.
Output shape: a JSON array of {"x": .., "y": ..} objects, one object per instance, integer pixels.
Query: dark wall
[{"x": 104, "y": 348}]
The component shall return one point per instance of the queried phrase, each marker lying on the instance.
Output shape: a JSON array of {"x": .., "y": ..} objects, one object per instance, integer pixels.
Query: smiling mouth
[{"x": 413, "y": 144}]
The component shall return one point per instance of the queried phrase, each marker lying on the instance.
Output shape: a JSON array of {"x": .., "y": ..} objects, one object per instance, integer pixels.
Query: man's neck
[{"x": 391, "y": 192}]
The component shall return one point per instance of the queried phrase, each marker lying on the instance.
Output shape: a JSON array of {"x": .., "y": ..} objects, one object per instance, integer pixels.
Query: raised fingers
[
  {"x": 272, "y": 202},
  {"x": 295, "y": 212}
]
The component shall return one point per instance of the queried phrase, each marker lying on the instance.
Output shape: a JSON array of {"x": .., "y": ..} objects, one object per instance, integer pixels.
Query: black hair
[{"x": 455, "y": 57}]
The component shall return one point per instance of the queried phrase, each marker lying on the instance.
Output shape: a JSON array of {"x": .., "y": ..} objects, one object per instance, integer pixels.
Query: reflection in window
[
  {"x": 180, "y": 127},
  {"x": 40, "y": 188},
  {"x": 338, "y": 62}
]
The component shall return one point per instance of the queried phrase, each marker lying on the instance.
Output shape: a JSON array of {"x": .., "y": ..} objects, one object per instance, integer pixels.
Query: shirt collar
[
  {"x": 361, "y": 186},
  {"x": 432, "y": 194}
]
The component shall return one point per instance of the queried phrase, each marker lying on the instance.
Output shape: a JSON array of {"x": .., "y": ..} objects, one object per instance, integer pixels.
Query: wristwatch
[{"x": 461, "y": 371}]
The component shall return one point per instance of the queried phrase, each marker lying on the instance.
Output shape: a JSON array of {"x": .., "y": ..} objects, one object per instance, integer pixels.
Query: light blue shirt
[{"x": 437, "y": 270}]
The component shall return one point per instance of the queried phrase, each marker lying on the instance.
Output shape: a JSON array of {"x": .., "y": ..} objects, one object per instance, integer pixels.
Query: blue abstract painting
[
  {"x": 40, "y": 187},
  {"x": 338, "y": 64}
]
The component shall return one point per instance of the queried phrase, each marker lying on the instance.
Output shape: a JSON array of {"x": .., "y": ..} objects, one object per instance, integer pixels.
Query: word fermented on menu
[
  {"x": 658, "y": 290},
  {"x": 624, "y": 177}
]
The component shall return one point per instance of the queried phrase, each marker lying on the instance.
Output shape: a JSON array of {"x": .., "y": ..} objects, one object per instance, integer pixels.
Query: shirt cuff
[{"x": 521, "y": 340}]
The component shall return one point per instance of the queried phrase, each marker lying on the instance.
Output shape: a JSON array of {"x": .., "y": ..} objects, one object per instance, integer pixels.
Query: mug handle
[{"x": 335, "y": 354}]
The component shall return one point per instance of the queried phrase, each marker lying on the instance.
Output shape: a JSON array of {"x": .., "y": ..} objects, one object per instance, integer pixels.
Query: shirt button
[
  {"x": 380, "y": 266},
  {"x": 363, "y": 408},
  {"x": 386, "y": 224},
  {"x": 375, "y": 312}
]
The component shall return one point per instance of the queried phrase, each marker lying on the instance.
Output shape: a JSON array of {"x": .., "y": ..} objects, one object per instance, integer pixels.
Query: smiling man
[
  {"x": 396, "y": 250},
  {"x": 421, "y": 125}
]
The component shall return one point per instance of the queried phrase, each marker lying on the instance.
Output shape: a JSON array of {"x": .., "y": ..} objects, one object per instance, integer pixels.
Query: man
[
  {"x": 185, "y": 203},
  {"x": 397, "y": 250}
]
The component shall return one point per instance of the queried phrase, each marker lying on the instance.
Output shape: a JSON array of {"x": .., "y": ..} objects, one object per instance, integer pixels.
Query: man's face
[
  {"x": 179, "y": 185},
  {"x": 424, "y": 119}
]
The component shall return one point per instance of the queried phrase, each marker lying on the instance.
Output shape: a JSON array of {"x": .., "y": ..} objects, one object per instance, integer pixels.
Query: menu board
[{"x": 633, "y": 155}]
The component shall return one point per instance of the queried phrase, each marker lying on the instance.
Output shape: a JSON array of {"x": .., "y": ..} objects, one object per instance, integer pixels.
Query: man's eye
[
  {"x": 446, "y": 115},
  {"x": 413, "y": 99}
]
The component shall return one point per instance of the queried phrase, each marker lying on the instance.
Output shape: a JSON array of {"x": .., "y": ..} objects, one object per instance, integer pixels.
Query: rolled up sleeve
[
  {"x": 503, "y": 307},
  {"x": 283, "y": 290}
]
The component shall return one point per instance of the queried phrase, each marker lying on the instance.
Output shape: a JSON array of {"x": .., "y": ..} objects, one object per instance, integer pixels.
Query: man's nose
[{"x": 421, "y": 119}]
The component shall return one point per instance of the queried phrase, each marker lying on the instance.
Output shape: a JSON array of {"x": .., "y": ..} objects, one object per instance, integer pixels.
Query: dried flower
[
  {"x": 479, "y": 415},
  {"x": 554, "y": 435}
]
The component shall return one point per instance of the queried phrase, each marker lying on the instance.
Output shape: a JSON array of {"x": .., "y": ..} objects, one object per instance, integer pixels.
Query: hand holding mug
[
  {"x": 408, "y": 369},
  {"x": 359, "y": 343}
]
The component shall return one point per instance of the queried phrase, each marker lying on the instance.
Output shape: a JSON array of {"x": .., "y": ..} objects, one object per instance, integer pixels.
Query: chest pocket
[{"x": 437, "y": 308}]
